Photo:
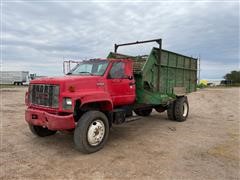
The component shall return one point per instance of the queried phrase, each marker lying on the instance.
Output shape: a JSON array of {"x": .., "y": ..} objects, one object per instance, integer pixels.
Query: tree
[{"x": 233, "y": 76}]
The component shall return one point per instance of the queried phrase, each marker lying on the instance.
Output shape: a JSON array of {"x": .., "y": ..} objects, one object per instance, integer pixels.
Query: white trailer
[{"x": 14, "y": 77}]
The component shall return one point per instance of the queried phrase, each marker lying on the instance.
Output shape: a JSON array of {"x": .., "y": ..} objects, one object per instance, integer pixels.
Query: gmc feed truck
[{"x": 97, "y": 93}]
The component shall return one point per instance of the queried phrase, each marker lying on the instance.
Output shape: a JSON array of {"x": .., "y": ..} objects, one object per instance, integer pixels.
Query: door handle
[
  {"x": 116, "y": 80},
  {"x": 131, "y": 83}
]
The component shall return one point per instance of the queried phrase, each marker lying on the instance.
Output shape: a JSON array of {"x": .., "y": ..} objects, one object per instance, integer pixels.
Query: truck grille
[{"x": 44, "y": 95}]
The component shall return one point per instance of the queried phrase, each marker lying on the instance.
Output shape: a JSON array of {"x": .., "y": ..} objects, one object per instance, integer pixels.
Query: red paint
[
  {"x": 51, "y": 121},
  {"x": 87, "y": 89}
]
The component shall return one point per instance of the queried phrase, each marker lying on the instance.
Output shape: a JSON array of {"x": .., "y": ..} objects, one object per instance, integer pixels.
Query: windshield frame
[{"x": 91, "y": 61}]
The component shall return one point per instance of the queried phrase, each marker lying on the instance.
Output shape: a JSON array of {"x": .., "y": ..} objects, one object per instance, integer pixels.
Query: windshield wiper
[{"x": 68, "y": 73}]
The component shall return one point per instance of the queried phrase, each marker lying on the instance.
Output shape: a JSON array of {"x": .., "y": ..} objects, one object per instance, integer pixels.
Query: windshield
[{"x": 91, "y": 67}]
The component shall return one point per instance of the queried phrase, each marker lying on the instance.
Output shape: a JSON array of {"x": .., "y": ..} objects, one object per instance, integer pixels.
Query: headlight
[{"x": 67, "y": 103}]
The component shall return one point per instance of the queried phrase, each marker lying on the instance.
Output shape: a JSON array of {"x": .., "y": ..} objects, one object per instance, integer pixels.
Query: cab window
[{"x": 117, "y": 71}]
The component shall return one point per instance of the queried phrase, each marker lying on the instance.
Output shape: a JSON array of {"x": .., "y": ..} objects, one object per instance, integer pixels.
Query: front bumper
[{"x": 51, "y": 121}]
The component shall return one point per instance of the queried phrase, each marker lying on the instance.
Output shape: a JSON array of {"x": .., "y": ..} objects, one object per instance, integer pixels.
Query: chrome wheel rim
[
  {"x": 96, "y": 132},
  {"x": 185, "y": 109}
]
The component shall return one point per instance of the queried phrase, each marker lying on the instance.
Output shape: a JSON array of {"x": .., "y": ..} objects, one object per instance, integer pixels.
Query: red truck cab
[{"x": 93, "y": 88}]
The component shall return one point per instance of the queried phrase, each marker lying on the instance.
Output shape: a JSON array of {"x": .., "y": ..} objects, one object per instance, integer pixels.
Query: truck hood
[{"x": 78, "y": 82}]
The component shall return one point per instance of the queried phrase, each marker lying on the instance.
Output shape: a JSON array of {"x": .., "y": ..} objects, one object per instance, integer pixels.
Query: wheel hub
[
  {"x": 96, "y": 132},
  {"x": 185, "y": 109}
]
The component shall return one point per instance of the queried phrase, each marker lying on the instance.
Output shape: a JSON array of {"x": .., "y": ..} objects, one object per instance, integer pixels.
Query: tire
[
  {"x": 143, "y": 112},
  {"x": 41, "y": 131},
  {"x": 181, "y": 109},
  {"x": 91, "y": 122},
  {"x": 170, "y": 111}
]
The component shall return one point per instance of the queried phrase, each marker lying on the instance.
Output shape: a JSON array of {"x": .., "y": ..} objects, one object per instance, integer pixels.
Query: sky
[{"x": 37, "y": 36}]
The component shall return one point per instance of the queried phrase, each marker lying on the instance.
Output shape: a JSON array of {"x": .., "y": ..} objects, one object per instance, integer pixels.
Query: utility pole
[{"x": 199, "y": 59}]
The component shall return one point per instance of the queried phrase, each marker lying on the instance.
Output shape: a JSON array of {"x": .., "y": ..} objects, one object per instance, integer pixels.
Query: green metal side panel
[{"x": 176, "y": 70}]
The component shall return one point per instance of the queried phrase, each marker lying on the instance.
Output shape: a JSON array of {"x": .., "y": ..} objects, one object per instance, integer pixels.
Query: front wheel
[
  {"x": 41, "y": 131},
  {"x": 91, "y": 132}
]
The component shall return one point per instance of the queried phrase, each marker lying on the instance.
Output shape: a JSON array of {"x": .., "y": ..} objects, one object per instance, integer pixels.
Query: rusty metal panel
[
  {"x": 179, "y": 91},
  {"x": 138, "y": 61}
]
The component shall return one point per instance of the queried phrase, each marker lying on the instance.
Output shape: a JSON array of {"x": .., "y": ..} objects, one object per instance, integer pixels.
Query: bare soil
[{"x": 206, "y": 146}]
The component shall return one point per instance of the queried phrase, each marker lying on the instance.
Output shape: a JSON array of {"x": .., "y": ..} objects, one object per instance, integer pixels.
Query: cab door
[{"x": 121, "y": 84}]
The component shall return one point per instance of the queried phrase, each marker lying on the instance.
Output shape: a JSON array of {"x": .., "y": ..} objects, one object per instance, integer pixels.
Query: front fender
[
  {"x": 94, "y": 97},
  {"x": 103, "y": 99}
]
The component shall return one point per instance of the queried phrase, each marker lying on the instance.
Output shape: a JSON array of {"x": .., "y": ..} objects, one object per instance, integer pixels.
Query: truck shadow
[
  {"x": 141, "y": 127},
  {"x": 131, "y": 132}
]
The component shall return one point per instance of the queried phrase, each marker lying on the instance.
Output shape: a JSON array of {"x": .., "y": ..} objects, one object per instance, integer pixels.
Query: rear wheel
[
  {"x": 91, "y": 132},
  {"x": 178, "y": 109},
  {"x": 41, "y": 131},
  {"x": 181, "y": 109},
  {"x": 143, "y": 112},
  {"x": 170, "y": 111}
]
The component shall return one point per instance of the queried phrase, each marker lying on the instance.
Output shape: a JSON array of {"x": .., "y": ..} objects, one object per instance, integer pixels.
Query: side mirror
[{"x": 130, "y": 77}]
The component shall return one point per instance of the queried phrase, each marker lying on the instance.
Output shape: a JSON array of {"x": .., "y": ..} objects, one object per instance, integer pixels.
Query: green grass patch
[
  {"x": 7, "y": 86},
  {"x": 10, "y": 86}
]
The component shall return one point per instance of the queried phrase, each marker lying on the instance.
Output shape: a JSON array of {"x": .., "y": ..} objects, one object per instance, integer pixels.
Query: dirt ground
[{"x": 206, "y": 146}]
